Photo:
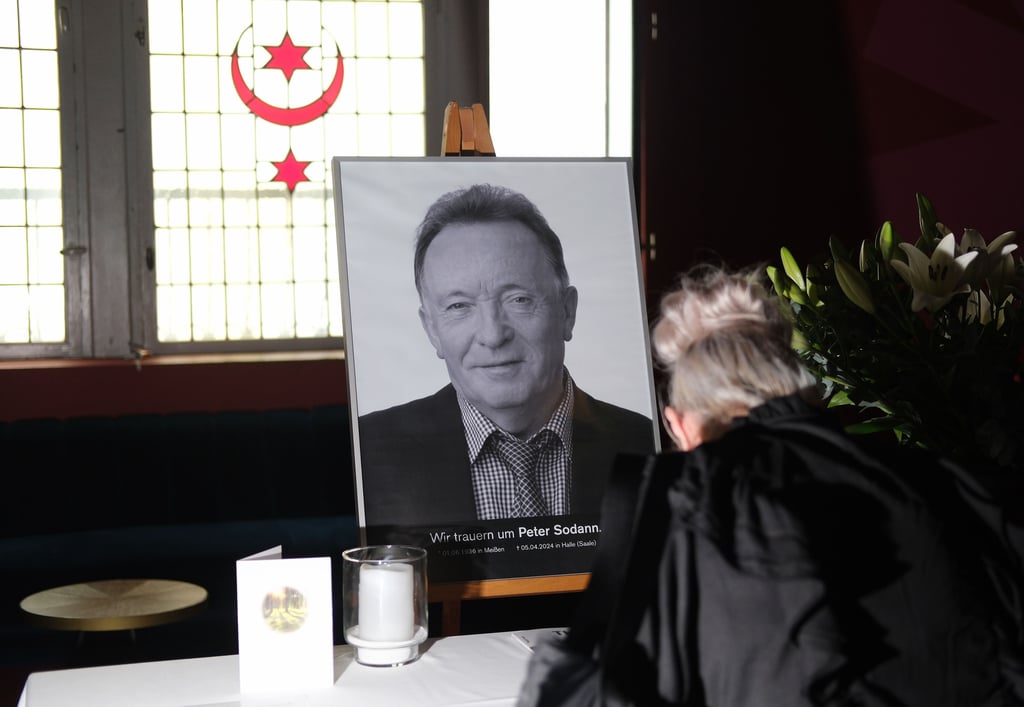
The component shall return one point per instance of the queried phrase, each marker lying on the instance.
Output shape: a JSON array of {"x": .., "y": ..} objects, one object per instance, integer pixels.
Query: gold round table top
[{"x": 114, "y": 604}]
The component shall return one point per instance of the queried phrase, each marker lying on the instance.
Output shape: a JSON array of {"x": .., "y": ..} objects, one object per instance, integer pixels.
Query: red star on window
[
  {"x": 287, "y": 57},
  {"x": 290, "y": 171}
]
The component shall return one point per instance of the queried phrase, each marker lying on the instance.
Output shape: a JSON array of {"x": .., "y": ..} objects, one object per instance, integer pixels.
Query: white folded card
[{"x": 285, "y": 622}]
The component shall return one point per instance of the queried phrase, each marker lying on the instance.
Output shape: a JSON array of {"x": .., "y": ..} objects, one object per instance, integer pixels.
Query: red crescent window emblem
[{"x": 287, "y": 116}]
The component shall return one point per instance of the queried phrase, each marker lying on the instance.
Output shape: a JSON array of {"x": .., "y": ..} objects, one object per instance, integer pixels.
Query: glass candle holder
[{"x": 384, "y": 591}]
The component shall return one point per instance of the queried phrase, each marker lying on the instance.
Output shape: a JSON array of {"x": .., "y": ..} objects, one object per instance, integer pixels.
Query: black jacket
[{"x": 799, "y": 569}]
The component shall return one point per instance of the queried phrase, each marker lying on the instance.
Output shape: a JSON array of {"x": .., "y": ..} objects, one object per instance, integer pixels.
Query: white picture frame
[{"x": 589, "y": 204}]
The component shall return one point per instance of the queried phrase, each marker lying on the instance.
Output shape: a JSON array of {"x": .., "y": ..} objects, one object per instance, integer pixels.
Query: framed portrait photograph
[{"x": 497, "y": 354}]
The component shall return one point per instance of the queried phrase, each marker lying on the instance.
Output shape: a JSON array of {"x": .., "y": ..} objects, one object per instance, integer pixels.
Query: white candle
[{"x": 385, "y": 602}]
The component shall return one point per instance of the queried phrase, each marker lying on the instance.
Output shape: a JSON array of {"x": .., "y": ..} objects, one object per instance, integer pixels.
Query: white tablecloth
[{"x": 485, "y": 669}]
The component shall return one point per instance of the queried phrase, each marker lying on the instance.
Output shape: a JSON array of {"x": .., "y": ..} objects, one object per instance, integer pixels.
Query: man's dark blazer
[{"x": 415, "y": 461}]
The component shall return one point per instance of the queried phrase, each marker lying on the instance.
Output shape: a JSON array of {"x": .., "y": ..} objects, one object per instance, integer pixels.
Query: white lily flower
[
  {"x": 934, "y": 280},
  {"x": 989, "y": 254},
  {"x": 973, "y": 240}
]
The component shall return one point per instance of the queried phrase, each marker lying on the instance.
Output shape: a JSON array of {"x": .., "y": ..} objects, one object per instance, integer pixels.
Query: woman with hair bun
[
  {"x": 795, "y": 565},
  {"x": 725, "y": 349}
]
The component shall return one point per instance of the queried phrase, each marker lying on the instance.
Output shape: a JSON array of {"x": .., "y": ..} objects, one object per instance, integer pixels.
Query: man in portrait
[{"x": 512, "y": 435}]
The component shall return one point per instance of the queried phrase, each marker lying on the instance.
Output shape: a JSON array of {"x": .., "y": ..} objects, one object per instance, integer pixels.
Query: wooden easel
[
  {"x": 466, "y": 133},
  {"x": 451, "y": 594}
]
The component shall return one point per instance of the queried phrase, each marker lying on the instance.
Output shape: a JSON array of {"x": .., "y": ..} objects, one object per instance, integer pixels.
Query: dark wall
[
  {"x": 768, "y": 124},
  {"x": 941, "y": 105},
  {"x": 749, "y": 133}
]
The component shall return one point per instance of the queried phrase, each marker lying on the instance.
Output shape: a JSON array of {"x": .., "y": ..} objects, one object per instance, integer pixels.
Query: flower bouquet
[{"x": 925, "y": 339}]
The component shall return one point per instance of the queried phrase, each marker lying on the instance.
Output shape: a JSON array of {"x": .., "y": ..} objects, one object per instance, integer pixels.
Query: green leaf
[
  {"x": 781, "y": 287},
  {"x": 784, "y": 287},
  {"x": 799, "y": 342},
  {"x": 839, "y": 399},
  {"x": 879, "y": 424},
  {"x": 796, "y": 295},
  {"x": 792, "y": 269}
]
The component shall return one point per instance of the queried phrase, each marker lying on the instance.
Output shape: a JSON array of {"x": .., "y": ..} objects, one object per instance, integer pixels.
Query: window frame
[{"x": 75, "y": 245}]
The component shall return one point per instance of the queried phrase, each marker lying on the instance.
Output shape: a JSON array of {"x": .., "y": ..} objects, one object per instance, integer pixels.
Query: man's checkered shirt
[{"x": 494, "y": 483}]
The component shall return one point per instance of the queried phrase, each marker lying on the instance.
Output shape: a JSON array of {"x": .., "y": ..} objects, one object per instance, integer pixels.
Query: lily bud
[
  {"x": 886, "y": 241},
  {"x": 792, "y": 269},
  {"x": 852, "y": 283}
]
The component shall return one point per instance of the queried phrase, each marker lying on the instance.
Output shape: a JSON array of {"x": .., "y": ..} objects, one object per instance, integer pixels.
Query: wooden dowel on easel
[
  {"x": 451, "y": 134},
  {"x": 482, "y": 132},
  {"x": 466, "y": 132}
]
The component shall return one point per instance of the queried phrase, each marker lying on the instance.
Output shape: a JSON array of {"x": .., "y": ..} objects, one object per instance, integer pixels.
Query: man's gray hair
[{"x": 487, "y": 203}]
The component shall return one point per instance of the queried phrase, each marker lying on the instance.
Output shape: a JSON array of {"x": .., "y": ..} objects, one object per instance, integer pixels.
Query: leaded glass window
[{"x": 250, "y": 100}]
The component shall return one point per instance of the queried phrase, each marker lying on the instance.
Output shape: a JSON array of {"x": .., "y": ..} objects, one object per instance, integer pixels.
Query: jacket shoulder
[{"x": 414, "y": 417}]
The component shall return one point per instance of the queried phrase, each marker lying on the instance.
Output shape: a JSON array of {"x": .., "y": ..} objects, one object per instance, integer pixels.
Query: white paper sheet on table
[{"x": 531, "y": 638}]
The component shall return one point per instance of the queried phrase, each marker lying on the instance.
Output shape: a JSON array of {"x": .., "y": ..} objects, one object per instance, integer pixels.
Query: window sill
[
  {"x": 172, "y": 360},
  {"x": 63, "y": 388}
]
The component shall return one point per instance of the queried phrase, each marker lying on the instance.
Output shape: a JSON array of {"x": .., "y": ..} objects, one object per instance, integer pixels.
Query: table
[
  {"x": 474, "y": 670},
  {"x": 114, "y": 604}
]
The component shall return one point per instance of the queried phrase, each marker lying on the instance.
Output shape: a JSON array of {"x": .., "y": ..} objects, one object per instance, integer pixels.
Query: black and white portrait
[{"x": 496, "y": 346}]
